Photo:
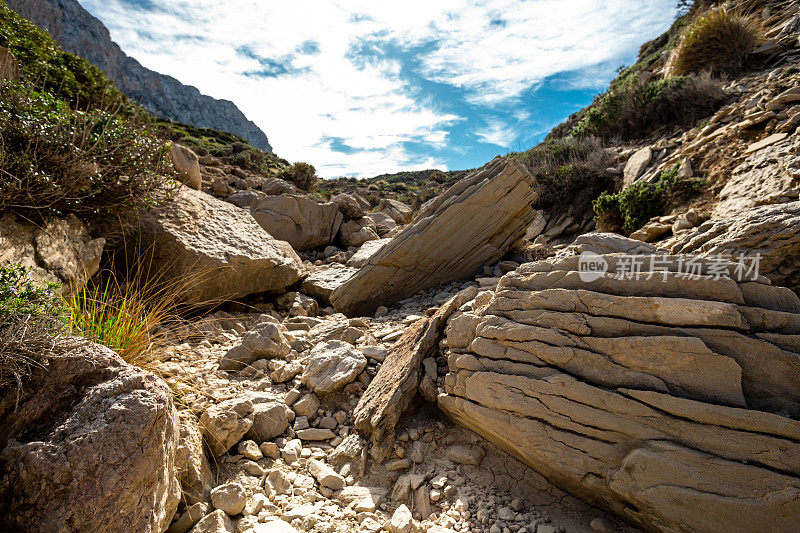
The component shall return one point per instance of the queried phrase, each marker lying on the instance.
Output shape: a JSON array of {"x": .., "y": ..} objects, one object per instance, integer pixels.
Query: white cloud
[
  {"x": 370, "y": 107},
  {"x": 498, "y": 133}
]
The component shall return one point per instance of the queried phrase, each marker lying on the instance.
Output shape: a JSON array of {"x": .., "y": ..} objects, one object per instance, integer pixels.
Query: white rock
[
  {"x": 230, "y": 498},
  {"x": 332, "y": 365}
]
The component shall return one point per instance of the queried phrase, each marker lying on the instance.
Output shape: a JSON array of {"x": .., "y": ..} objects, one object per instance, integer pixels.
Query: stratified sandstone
[
  {"x": 657, "y": 396},
  {"x": 769, "y": 231},
  {"x": 218, "y": 246},
  {"x": 472, "y": 224}
]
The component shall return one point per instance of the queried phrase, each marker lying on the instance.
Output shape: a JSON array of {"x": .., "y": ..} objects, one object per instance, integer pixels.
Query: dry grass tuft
[{"x": 718, "y": 42}]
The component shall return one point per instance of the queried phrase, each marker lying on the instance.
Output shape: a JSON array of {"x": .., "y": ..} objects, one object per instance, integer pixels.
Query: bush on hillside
[
  {"x": 569, "y": 171},
  {"x": 95, "y": 164},
  {"x": 718, "y": 42},
  {"x": 301, "y": 174},
  {"x": 632, "y": 207},
  {"x": 44, "y": 65},
  {"x": 634, "y": 109}
]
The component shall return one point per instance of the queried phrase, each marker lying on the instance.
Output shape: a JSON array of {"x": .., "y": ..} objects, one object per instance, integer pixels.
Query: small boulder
[
  {"x": 230, "y": 498},
  {"x": 332, "y": 365},
  {"x": 466, "y": 455},
  {"x": 224, "y": 424},
  {"x": 325, "y": 475},
  {"x": 348, "y": 205},
  {"x": 401, "y": 521},
  {"x": 186, "y": 165},
  {"x": 397, "y": 210},
  {"x": 216, "y": 522},
  {"x": 269, "y": 421}
]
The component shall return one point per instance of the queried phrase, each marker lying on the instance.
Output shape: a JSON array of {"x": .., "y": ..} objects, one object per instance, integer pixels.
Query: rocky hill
[{"x": 80, "y": 33}]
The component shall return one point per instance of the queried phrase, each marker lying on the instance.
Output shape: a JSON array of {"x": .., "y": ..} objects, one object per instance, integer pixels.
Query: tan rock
[
  {"x": 298, "y": 220},
  {"x": 186, "y": 165},
  {"x": 467, "y": 227},
  {"x": 114, "y": 439},
  {"x": 218, "y": 246},
  {"x": 636, "y": 165}
]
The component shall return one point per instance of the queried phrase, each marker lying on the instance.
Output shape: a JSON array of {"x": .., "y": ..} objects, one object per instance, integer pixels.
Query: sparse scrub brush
[
  {"x": 303, "y": 175},
  {"x": 634, "y": 109},
  {"x": 569, "y": 171},
  {"x": 31, "y": 326},
  {"x": 718, "y": 42},
  {"x": 95, "y": 164}
]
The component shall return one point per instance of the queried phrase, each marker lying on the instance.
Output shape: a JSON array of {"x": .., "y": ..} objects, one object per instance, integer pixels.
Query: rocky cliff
[{"x": 79, "y": 32}]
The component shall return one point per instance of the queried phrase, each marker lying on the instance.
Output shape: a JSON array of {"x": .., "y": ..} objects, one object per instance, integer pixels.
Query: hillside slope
[{"x": 79, "y": 32}]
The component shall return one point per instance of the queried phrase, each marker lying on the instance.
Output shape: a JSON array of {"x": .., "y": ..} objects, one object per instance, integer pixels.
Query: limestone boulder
[
  {"x": 470, "y": 225},
  {"x": 636, "y": 165},
  {"x": 383, "y": 222},
  {"x": 187, "y": 166},
  {"x": 356, "y": 232},
  {"x": 298, "y": 220},
  {"x": 397, "y": 210},
  {"x": 191, "y": 464},
  {"x": 679, "y": 415},
  {"x": 332, "y": 365},
  {"x": 88, "y": 430},
  {"x": 224, "y": 424},
  {"x": 367, "y": 250},
  {"x": 265, "y": 341},
  {"x": 275, "y": 186},
  {"x": 348, "y": 205},
  {"x": 218, "y": 246},
  {"x": 58, "y": 251}
]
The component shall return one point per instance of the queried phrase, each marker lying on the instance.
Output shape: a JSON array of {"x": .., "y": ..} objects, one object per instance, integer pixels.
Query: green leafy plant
[
  {"x": 30, "y": 325},
  {"x": 717, "y": 41},
  {"x": 45, "y": 66},
  {"x": 632, "y": 207}
]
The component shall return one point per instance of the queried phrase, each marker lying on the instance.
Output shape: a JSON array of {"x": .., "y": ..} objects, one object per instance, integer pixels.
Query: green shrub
[
  {"x": 632, "y": 109},
  {"x": 30, "y": 324},
  {"x": 632, "y": 207},
  {"x": 717, "y": 41},
  {"x": 96, "y": 164},
  {"x": 45, "y": 66},
  {"x": 569, "y": 171},
  {"x": 301, "y": 174}
]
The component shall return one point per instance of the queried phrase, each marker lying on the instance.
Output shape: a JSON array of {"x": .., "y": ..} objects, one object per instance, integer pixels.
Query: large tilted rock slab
[
  {"x": 770, "y": 231},
  {"x": 216, "y": 245},
  {"x": 681, "y": 417},
  {"x": 91, "y": 447},
  {"x": 394, "y": 386},
  {"x": 473, "y": 223},
  {"x": 299, "y": 220}
]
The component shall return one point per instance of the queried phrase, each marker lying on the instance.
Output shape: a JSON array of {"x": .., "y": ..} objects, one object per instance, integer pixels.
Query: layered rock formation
[
  {"x": 80, "y": 33},
  {"x": 662, "y": 396},
  {"x": 217, "y": 246},
  {"x": 769, "y": 232},
  {"x": 472, "y": 224},
  {"x": 90, "y": 446}
]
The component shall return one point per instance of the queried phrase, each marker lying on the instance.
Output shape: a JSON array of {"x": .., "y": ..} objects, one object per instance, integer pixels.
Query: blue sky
[{"x": 364, "y": 87}]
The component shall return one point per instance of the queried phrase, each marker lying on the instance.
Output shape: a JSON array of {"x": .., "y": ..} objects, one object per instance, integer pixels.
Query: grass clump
[
  {"x": 569, "y": 171},
  {"x": 303, "y": 175},
  {"x": 718, "y": 42},
  {"x": 56, "y": 160},
  {"x": 633, "y": 109},
  {"x": 31, "y": 324},
  {"x": 632, "y": 207}
]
